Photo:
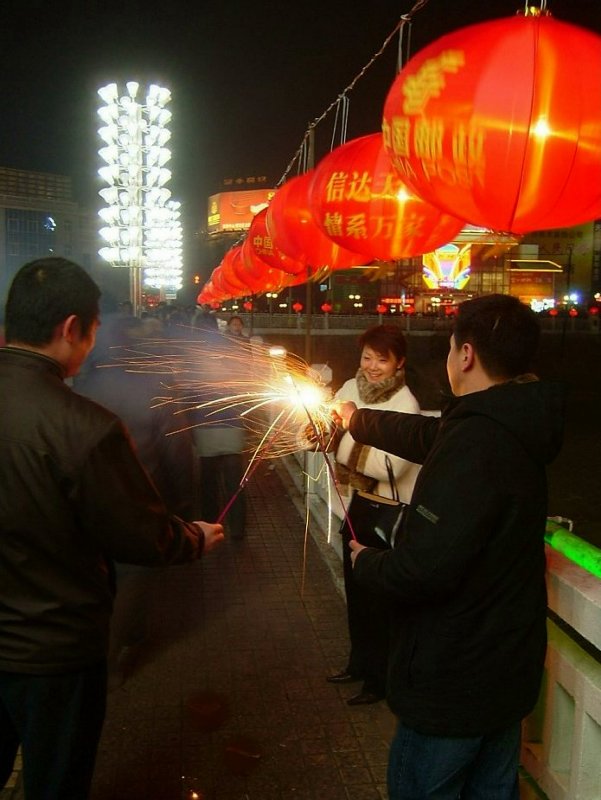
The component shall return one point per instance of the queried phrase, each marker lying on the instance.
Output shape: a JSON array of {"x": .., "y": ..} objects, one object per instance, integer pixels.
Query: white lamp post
[{"x": 141, "y": 225}]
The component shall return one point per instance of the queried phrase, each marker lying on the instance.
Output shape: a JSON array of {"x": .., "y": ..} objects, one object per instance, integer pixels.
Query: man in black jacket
[
  {"x": 467, "y": 577},
  {"x": 73, "y": 498}
]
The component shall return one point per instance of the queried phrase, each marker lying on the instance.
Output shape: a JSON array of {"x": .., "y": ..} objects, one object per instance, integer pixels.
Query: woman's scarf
[{"x": 350, "y": 475}]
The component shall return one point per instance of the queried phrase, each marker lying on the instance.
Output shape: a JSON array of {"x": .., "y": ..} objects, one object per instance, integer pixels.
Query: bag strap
[{"x": 393, "y": 487}]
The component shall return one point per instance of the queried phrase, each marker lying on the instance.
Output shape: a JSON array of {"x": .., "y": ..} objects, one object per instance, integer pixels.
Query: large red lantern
[
  {"x": 256, "y": 273},
  {"x": 231, "y": 267},
  {"x": 295, "y": 232},
  {"x": 500, "y": 123},
  {"x": 221, "y": 287},
  {"x": 237, "y": 286},
  {"x": 359, "y": 201},
  {"x": 261, "y": 244}
]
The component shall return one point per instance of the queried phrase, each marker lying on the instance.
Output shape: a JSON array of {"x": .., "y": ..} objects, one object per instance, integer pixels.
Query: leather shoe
[
  {"x": 342, "y": 677},
  {"x": 364, "y": 699}
]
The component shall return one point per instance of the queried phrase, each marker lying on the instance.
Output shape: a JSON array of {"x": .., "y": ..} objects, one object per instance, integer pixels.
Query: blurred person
[
  {"x": 467, "y": 578},
  {"x": 167, "y": 457},
  {"x": 73, "y": 498},
  {"x": 378, "y": 383},
  {"x": 219, "y": 434},
  {"x": 205, "y": 318},
  {"x": 235, "y": 327}
]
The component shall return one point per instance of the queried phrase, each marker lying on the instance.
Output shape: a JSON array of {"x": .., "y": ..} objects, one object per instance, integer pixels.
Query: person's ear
[
  {"x": 70, "y": 328},
  {"x": 400, "y": 363},
  {"x": 468, "y": 356}
]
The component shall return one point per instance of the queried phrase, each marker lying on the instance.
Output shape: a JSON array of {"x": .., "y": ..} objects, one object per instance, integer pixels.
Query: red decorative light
[
  {"x": 297, "y": 307},
  {"x": 593, "y": 310},
  {"x": 247, "y": 305},
  {"x": 493, "y": 123},
  {"x": 359, "y": 201},
  {"x": 326, "y": 307},
  {"x": 294, "y": 230},
  {"x": 261, "y": 245},
  {"x": 573, "y": 312},
  {"x": 553, "y": 312},
  {"x": 409, "y": 310},
  {"x": 381, "y": 308}
]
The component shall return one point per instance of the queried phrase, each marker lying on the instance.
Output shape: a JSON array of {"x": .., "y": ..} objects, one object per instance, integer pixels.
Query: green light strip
[{"x": 574, "y": 548}]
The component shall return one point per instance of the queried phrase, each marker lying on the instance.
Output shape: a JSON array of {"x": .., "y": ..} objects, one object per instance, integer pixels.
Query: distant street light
[{"x": 142, "y": 228}]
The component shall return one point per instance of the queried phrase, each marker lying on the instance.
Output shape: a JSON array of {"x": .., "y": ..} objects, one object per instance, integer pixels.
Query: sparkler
[{"x": 215, "y": 380}]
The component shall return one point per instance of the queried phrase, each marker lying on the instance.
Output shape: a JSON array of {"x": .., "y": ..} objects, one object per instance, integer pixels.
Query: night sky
[{"x": 246, "y": 78}]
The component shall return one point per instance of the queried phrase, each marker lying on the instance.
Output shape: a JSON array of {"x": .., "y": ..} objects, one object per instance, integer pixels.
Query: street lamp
[
  {"x": 271, "y": 296},
  {"x": 141, "y": 225}
]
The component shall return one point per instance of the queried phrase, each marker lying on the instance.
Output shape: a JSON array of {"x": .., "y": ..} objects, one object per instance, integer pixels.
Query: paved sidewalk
[{"x": 228, "y": 701}]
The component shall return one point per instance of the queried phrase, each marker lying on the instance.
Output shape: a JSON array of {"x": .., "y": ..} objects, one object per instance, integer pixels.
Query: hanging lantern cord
[
  {"x": 535, "y": 11},
  {"x": 342, "y": 111},
  {"x": 406, "y": 18}
]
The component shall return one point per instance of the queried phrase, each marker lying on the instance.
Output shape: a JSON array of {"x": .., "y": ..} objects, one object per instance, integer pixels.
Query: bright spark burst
[{"x": 221, "y": 381}]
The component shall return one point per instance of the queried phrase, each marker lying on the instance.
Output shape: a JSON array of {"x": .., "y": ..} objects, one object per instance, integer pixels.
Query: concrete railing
[{"x": 561, "y": 749}]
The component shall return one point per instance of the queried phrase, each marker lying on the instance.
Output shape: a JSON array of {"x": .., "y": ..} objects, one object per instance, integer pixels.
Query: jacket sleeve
[
  {"x": 120, "y": 507},
  {"x": 458, "y": 502},
  {"x": 409, "y": 436}
]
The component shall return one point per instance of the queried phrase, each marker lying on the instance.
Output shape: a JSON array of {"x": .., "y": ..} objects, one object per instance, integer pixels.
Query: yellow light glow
[
  {"x": 309, "y": 396},
  {"x": 541, "y": 128}
]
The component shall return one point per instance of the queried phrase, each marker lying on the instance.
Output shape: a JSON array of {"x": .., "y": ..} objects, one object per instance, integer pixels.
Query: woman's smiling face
[{"x": 378, "y": 367}]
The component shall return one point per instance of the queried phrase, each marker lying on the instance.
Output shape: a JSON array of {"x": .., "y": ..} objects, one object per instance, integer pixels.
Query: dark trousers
[
  {"x": 57, "y": 720},
  {"x": 368, "y": 622},
  {"x": 473, "y": 768},
  {"x": 220, "y": 478}
]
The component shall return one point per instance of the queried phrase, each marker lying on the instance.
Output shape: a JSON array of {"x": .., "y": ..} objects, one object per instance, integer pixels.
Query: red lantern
[
  {"x": 295, "y": 232},
  {"x": 496, "y": 124},
  {"x": 359, "y": 201},
  {"x": 257, "y": 273},
  {"x": 410, "y": 310},
  {"x": 297, "y": 307},
  {"x": 326, "y": 307},
  {"x": 553, "y": 312},
  {"x": 593, "y": 311},
  {"x": 573, "y": 312},
  {"x": 247, "y": 305},
  {"x": 261, "y": 244},
  {"x": 231, "y": 267},
  {"x": 381, "y": 308}
]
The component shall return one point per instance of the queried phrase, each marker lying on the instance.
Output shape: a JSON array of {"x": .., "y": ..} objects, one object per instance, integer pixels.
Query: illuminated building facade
[{"x": 38, "y": 218}]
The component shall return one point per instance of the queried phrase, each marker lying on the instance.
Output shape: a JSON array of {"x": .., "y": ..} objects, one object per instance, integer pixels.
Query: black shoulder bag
[{"x": 375, "y": 520}]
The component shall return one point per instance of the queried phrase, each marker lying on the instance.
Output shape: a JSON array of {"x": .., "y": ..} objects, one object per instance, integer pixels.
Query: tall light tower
[{"x": 142, "y": 228}]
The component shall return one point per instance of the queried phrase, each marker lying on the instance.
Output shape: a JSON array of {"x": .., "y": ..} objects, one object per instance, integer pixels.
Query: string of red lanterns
[{"x": 490, "y": 125}]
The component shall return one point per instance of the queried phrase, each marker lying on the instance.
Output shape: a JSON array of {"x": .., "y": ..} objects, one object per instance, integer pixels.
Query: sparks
[{"x": 215, "y": 380}]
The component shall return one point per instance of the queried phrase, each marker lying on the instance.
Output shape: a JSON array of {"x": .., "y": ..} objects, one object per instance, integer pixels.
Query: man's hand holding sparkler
[
  {"x": 356, "y": 548},
  {"x": 342, "y": 412},
  {"x": 213, "y": 534}
]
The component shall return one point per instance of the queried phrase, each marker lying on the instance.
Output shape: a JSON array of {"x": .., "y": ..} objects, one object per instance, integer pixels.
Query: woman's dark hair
[
  {"x": 43, "y": 294},
  {"x": 503, "y": 331},
  {"x": 385, "y": 339}
]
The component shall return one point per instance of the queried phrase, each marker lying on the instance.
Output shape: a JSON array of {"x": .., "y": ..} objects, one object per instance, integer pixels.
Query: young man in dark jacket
[
  {"x": 468, "y": 574},
  {"x": 73, "y": 497}
]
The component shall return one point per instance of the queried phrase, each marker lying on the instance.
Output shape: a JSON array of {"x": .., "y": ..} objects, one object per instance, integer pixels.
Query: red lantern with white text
[
  {"x": 500, "y": 123},
  {"x": 359, "y": 201},
  {"x": 258, "y": 274},
  {"x": 295, "y": 232},
  {"x": 261, "y": 244}
]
